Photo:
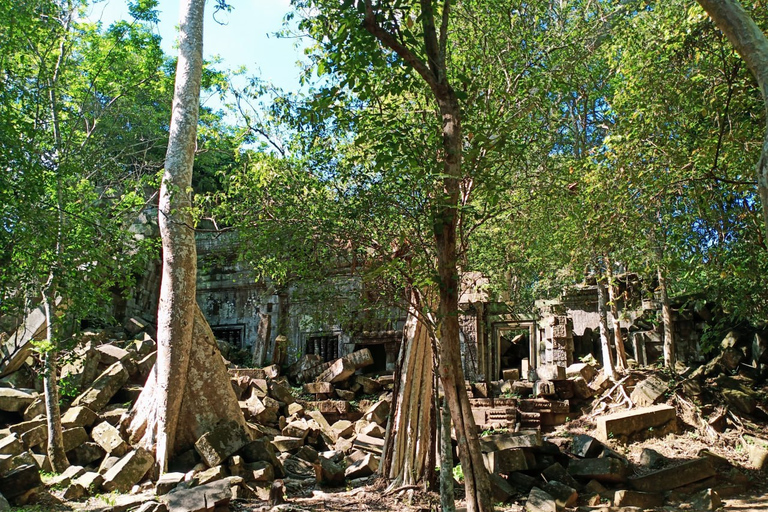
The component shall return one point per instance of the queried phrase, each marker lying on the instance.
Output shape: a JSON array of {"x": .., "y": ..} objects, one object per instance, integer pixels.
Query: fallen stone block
[
  {"x": 305, "y": 363},
  {"x": 109, "y": 439},
  {"x": 510, "y": 374},
  {"x": 211, "y": 475},
  {"x": 78, "y": 417},
  {"x": 740, "y": 400},
  {"x": 652, "y": 459},
  {"x": 540, "y": 501},
  {"x": 261, "y": 450},
  {"x": 73, "y": 437},
  {"x": 11, "y": 445},
  {"x": 295, "y": 409},
  {"x": 378, "y": 413},
  {"x": 550, "y": 372},
  {"x": 360, "y": 358},
  {"x": 103, "y": 388},
  {"x": 298, "y": 428},
  {"x": 500, "y": 488},
  {"x": 627, "y": 498},
  {"x": 339, "y": 371},
  {"x": 128, "y": 471},
  {"x": 343, "y": 428},
  {"x": 35, "y": 409},
  {"x": 505, "y": 461},
  {"x": 107, "y": 464},
  {"x": 144, "y": 366},
  {"x": 35, "y": 436},
  {"x": 110, "y": 354},
  {"x": 758, "y": 452},
  {"x": 345, "y": 394},
  {"x": 365, "y": 466},
  {"x": 25, "y": 426},
  {"x": 287, "y": 444},
  {"x": 522, "y": 439},
  {"x": 557, "y": 472},
  {"x": 585, "y": 446},
  {"x": 113, "y": 413},
  {"x": 368, "y": 444},
  {"x": 581, "y": 389},
  {"x": 655, "y": 421},
  {"x": 20, "y": 480},
  {"x": 369, "y": 386},
  {"x": 603, "y": 470},
  {"x": 328, "y": 433},
  {"x": 318, "y": 388},
  {"x": 281, "y": 393},
  {"x": 90, "y": 481},
  {"x": 584, "y": 370},
  {"x": 167, "y": 482},
  {"x": 224, "y": 440},
  {"x": 649, "y": 391},
  {"x": 86, "y": 453},
  {"x": 565, "y": 496},
  {"x": 259, "y": 472},
  {"x": 15, "y": 400},
  {"x": 674, "y": 477},
  {"x": 64, "y": 479},
  {"x": 202, "y": 498}
]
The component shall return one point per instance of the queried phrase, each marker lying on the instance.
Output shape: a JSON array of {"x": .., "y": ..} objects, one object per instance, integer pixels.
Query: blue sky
[{"x": 244, "y": 37}]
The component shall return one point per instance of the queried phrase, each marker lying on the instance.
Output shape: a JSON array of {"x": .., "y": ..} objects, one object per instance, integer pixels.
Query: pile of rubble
[{"x": 298, "y": 438}]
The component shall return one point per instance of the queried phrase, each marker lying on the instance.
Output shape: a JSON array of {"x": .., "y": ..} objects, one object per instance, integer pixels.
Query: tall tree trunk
[
  {"x": 176, "y": 309},
  {"x": 444, "y": 222},
  {"x": 666, "y": 316},
  {"x": 409, "y": 440},
  {"x": 750, "y": 42},
  {"x": 55, "y": 444},
  {"x": 605, "y": 342},
  {"x": 207, "y": 396},
  {"x": 618, "y": 337},
  {"x": 447, "y": 499}
]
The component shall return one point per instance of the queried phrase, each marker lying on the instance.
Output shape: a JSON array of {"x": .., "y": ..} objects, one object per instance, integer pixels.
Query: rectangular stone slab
[
  {"x": 628, "y": 423},
  {"x": 674, "y": 477}
]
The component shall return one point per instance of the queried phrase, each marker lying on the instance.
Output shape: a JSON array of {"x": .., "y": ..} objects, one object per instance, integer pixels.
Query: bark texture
[
  {"x": 750, "y": 42},
  {"x": 207, "y": 397},
  {"x": 621, "y": 354},
  {"x": 605, "y": 342},
  {"x": 666, "y": 316},
  {"x": 410, "y": 433},
  {"x": 55, "y": 445}
]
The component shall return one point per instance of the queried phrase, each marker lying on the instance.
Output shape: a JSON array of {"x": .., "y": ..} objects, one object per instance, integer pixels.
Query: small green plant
[
  {"x": 458, "y": 473},
  {"x": 610, "y": 435}
]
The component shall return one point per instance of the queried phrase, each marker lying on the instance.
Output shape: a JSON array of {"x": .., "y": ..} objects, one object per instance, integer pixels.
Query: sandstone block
[
  {"x": 540, "y": 501},
  {"x": 90, "y": 481},
  {"x": 202, "y": 498},
  {"x": 11, "y": 445},
  {"x": 378, "y": 413},
  {"x": 626, "y": 498},
  {"x": 369, "y": 386},
  {"x": 317, "y": 388},
  {"x": 585, "y": 446},
  {"x": 506, "y": 461},
  {"x": 85, "y": 454},
  {"x": 647, "y": 392},
  {"x": 647, "y": 421},
  {"x": 550, "y": 372},
  {"x": 365, "y": 466},
  {"x": 74, "y": 437},
  {"x": 511, "y": 374},
  {"x": 15, "y": 400},
  {"x": 128, "y": 471},
  {"x": 69, "y": 474},
  {"x": 674, "y": 477},
  {"x": 259, "y": 472},
  {"x": 35, "y": 436},
  {"x": 167, "y": 482},
  {"x": 707, "y": 499},
  {"x": 583, "y": 370},
  {"x": 500, "y": 488},
  {"x": 281, "y": 393},
  {"x": 368, "y": 444},
  {"x": 78, "y": 417},
  {"x": 35, "y": 409},
  {"x": 20, "y": 480},
  {"x": 339, "y": 371},
  {"x": 108, "y": 437},
  {"x": 287, "y": 444},
  {"x": 603, "y": 470},
  {"x": 522, "y": 439},
  {"x": 224, "y": 440},
  {"x": 104, "y": 388},
  {"x": 211, "y": 475},
  {"x": 565, "y": 496}
]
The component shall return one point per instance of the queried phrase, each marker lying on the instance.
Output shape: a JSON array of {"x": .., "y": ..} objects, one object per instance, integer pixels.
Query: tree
[
  {"x": 751, "y": 43},
  {"x": 188, "y": 390}
]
